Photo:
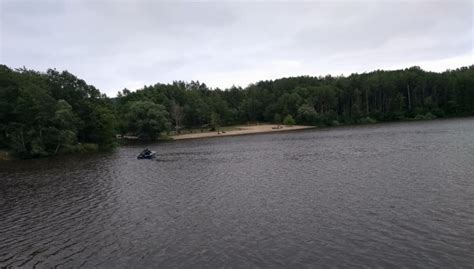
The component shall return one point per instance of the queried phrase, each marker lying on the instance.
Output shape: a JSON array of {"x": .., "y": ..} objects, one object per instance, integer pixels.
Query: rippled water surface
[{"x": 371, "y": 196}]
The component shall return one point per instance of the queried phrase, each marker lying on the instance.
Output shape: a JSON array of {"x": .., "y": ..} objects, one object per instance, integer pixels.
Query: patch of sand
[{"x": 243, "y": 130}]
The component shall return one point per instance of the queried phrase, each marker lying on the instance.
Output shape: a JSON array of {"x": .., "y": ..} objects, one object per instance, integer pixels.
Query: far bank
[{"x": 242, "y": 130}]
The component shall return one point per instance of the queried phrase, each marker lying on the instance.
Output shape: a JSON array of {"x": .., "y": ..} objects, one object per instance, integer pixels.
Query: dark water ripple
[{"x": 391, "y": 195}]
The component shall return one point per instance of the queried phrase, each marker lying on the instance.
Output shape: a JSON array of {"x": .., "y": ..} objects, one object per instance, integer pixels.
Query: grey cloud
[
  {"x": 117, "y": 44},
  {"x": 384, "y": 22}
]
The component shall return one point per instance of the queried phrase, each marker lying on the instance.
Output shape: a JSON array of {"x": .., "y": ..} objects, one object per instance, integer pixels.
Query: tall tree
[
  {"x": 147, "y": 119},
  {"x": 177, "y": 113}
]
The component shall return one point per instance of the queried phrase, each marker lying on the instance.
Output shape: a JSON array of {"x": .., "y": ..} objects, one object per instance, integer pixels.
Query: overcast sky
[{"x": 125, "y": 43}]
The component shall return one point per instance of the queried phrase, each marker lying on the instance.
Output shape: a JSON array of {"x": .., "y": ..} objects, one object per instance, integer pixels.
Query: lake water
[{"x": 382, "y": 195}]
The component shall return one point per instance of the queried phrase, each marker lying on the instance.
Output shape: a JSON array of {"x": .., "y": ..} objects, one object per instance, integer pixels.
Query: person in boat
[{"x": 146, "y": 154}]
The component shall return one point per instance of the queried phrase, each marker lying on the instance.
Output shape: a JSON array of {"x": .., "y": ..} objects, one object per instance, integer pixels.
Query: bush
[
  {"x": 427, "y": 116},
  {"x": 419, "y": 117},
  {"x": 367, "y": 120},
  {"x": 81, "y": 148},
  {"x": 438, "y": 113},
  {"x": 289, "y": 120}
]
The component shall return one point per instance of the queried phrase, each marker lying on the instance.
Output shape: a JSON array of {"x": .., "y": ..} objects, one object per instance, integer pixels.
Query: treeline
[
  {"x": 46, "y": 113},
  {"x": 43, "y": 114},
  {"x": 359, "y": 98}
]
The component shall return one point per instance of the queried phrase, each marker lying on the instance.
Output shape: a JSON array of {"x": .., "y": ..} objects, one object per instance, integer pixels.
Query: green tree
[
  {"x": 177, "y": 114},
  {"x": 289, "y": 103},
  {"x": 289, "y": 121},
  {"x": 277, "y": 119},
  {"x": 215, "y": 122},
  {"x": 65, "y": 122},
  {"x": 104, "y": 127},
  {"x": 307, "y": 114},
  {"x": 324, "y": 98},
  {"x": 147, "y": 119}
]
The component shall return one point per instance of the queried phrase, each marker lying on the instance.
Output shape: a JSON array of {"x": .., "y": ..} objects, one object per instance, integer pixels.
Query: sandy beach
[{"x": 243, "y": 130}]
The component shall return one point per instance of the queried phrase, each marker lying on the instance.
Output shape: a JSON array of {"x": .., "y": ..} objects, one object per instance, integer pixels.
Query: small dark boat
[{"x": 146, "y": 154}]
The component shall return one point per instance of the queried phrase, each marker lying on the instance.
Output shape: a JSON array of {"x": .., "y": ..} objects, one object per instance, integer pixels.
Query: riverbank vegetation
[{"x": 44, "y": 114}]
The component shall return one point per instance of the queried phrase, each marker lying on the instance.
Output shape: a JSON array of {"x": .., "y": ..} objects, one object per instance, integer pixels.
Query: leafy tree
[
  {"x": 277, "y": 118},
  {"x": 324, "y": 98},
  {"x": 220, "y": 107},
  {"x": 103, "y": 124},
  {"x": 307, "y": 114},
  {"x": 65, "y": 122},
  {"x": 289, "y": 120},
  {"x": 177, "y": 113},
  {"x": 250, "y": 109},
  {"x": 215, "y": 122},
  {"x": 289, "y": 103},
  {"x": 147, "y": 119}
]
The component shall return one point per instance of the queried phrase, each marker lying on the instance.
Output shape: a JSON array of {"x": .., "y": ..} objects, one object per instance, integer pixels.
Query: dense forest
[{"x": 44, "y": 114}]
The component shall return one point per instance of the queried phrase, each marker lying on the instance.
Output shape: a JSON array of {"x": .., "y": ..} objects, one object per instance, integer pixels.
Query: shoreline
[{"x": 243, "y": 130}]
